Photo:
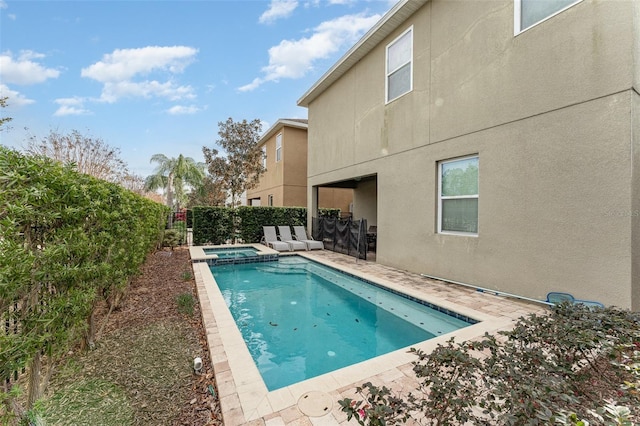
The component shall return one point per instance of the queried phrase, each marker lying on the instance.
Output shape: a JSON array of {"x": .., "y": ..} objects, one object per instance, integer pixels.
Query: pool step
[{"x": 277, "y": 268}]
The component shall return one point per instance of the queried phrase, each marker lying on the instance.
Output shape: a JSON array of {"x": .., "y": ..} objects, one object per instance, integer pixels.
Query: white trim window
[
  {"x": 399, "y": 66},
  {"x": 458, "y": 196},
  {"x": 529, "y": 13},
  {"x": 278, "y": 147},
  {"x": 264, "y": 157}
]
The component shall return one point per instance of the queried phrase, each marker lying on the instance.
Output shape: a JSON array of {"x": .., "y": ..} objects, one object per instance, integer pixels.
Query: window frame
[
  {"x": 458, "y": 197},
  {"x": 388, "y": 73},
  {"x": 278, "y": 147},
  {"x": 517, "y": 16},
  {"x": 270, "y": 200},
  {"x": 264, "y": 157}
]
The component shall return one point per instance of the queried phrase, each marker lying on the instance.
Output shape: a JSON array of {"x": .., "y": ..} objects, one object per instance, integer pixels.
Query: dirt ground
[{"x": 152, "y": 300}]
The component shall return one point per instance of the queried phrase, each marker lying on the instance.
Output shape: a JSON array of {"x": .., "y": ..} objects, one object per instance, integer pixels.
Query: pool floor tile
[{"x": 244, "y": 398}]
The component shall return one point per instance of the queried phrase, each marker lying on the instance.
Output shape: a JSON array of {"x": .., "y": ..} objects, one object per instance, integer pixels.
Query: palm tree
[{"x": 172, "y": 174}]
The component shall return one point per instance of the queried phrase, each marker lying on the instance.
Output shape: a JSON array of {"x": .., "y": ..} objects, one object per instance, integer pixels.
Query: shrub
[
  {"x": 181, "y": 230},
  {"x": 547, "y": 369},
  {"x": 171, "y": 238},
  {"x": 185, "y": 303},
  {"x": 186, "y": 275}
]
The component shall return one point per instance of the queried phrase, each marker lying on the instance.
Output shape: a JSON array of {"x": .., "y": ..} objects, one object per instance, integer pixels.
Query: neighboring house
[
  {"x": 284, "y": 182},
  {"x": 494, "y": 143}
]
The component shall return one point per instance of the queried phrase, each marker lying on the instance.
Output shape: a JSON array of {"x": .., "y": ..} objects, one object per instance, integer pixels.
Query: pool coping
[
  {"x": 244, "y": 398},
  {"x": 198, "y": 254}
]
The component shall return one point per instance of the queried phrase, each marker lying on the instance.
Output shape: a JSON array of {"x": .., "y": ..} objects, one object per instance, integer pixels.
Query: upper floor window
[
  {"x": 278, "y": 147},
  {"x": 264, "y": 157},
  {"x": 530, "y": 12},
  {"x": 458, "y": 196},
  {"x": 399, "y": 66}
]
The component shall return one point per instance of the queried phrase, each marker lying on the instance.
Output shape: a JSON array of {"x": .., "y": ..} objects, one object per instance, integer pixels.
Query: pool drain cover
[{"x": 315, "y": 404}]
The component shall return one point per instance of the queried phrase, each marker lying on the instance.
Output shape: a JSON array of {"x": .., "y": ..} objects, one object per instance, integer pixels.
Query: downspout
[{"x": 487, "y": 290}]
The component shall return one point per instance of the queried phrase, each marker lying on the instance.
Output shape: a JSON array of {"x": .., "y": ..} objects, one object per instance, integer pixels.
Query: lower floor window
[{"x": 458, "y": 196}]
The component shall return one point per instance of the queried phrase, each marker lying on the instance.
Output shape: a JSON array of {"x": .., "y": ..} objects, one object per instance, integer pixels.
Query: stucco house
[
  {"x": 284, "y": 181},
  {"x": 494, "y": 143}
]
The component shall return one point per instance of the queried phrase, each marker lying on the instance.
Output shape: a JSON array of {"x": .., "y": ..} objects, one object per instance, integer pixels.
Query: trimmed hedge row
[
  {"x": 217, "y": 225},
  {"x": 212, "y": 224},
  {"x": 67, "y": 240}
]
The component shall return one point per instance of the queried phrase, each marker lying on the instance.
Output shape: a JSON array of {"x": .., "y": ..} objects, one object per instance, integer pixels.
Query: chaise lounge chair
[
  {"x": 301, "y": 235},
  {"x": 285, "y": 235},
  {"x": 270, "y": 239}
]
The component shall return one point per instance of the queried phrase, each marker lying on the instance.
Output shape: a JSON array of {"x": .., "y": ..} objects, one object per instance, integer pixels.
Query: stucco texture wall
[
  {"x": 549, "y": 113},
  {"x": 553, "y": 203},
  {"x": 635, "y": 201}
]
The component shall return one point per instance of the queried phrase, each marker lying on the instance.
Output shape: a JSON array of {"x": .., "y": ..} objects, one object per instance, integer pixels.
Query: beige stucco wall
[
  {"x": 636, "y": 45},
  {"x": 635, "y": 194},
  {"x": 365, "y": 203},
  {"x": 294, "y": 158},
  {"x": 271, "y": 180},
  {"x": 484, "y": 76},
  {"x": 335, "y": 198},
  {"x": 635, "y": 200},
  {"x": 286, "y": 179},
  {"x": 549, "y": 114}
]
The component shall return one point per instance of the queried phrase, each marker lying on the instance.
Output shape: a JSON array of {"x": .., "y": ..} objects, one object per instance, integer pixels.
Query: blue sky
[{"x": 157, "y": 76}]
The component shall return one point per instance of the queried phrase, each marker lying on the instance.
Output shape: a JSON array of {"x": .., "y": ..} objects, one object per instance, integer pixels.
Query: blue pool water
[
  {"x": 301, "y": 319},
  {"x": 232, "y": 253}
]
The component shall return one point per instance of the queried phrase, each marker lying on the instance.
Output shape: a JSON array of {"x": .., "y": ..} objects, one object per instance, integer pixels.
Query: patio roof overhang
[{"x": 349, "y": 183}]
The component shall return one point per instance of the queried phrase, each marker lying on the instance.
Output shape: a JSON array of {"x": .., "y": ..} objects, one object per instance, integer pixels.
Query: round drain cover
[{"x": 315, "y": 404}]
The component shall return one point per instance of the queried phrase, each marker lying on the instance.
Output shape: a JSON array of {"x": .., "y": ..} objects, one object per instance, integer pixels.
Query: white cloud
[
  {"x": 24, "y": 69},
  {"x": 71, "y": 106},
  {"x": 278, "y": 9},
  {"x": 294, "y": 58},
  {"x": 182, "y": 110},
  {"x": 15, "y": 98},
  {"x": 124, "y": 64},
  {"x": 118, "y": 71},
  {"x": 112, "y": 91},
  {"x": 253, "y": 85},
  {"x": 3, "y": 5},
  {"x": 69, "y": 110}
]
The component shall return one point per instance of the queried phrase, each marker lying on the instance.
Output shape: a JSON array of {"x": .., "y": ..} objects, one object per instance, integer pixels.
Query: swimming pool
[
  {"x": 232, "y": 253},
  {"x": 300, "y": 319}
]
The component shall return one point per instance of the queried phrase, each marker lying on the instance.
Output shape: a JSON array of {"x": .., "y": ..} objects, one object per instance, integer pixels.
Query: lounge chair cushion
[
  {"x": 301, "y": 235},
  {"x": 271, "y": 239},
  {"x": 285, "y": 235}
]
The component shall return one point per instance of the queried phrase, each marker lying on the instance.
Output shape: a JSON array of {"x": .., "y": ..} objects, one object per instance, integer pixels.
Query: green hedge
[
  {"x": 216, "y": 225},
  {"x": 213, "y": 225},
  {"x": 329, "y": 213},
  {"x": 252, "y": 219},
  {"x": 67, "y": 239}
]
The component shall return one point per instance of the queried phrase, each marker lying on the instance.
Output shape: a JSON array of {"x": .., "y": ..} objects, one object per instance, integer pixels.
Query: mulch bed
[{"x": 151, "y": 300}]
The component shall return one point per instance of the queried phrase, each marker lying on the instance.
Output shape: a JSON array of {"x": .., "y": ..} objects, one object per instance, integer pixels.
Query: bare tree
[
  {"x": 134, "y": 183},
  {"x": 241, "y": 167},
  {"x": 91, "y": 156},
  {"x": 4, "y": 120}
]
